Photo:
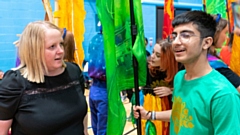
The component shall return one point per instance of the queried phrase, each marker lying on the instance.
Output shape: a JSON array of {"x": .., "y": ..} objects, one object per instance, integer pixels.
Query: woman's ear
[{"x": 207, "y": 42}]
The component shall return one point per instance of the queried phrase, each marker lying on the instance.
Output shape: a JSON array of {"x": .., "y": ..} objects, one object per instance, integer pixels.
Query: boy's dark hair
[{"x": 205, "y": 23}]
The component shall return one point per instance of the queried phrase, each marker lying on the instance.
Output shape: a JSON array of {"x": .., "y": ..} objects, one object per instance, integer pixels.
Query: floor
[{"x": 128, "y": 127}]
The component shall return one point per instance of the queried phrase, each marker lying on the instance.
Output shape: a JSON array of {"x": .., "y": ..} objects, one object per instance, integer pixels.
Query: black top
[
  {"x": 230, "y": 75},
  {"x": 158, "y": 80},
  {"x": 57, "y": 106},
  {"x": 153, "y": 82}
]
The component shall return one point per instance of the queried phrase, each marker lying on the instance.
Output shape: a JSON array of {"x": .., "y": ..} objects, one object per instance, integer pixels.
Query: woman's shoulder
[
  {"x": 12, "y": 80},
  {"x": 73, "y": 69},
  {"x": 72, "y": 66},
  {"x": 12, "y": 75}
]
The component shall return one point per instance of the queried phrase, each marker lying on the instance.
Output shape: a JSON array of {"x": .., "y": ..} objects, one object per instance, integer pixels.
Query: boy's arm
[
  {"x": 225, "y": 113},
  {"x": 160, "y": 115},
  {"x": 164, "y": 115}
]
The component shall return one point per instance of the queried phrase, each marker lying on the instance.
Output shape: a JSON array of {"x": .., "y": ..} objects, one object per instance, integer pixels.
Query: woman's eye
[
  {"x": 53, "y": 46},
  {"x": 158, "y": 55}
]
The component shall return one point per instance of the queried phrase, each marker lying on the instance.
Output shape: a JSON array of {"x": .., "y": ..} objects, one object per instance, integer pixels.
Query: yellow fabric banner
[{"x": 71, "y": 15}]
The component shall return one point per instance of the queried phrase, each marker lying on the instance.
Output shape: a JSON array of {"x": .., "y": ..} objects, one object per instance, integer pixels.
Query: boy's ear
[{"x": 207, "y": 42}]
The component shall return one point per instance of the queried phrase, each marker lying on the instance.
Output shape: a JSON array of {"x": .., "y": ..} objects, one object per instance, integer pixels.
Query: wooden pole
[
  {"x": 48, "y": 10},
  {"x": 56, "y": 7}
]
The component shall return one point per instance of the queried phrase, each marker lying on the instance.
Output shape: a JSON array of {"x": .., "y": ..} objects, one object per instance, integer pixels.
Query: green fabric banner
[
  {"x": 115, "y": 19},
  {"x": 217, "y": 7}
]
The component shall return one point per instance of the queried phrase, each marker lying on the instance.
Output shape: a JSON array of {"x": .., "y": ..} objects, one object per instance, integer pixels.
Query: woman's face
[
  {"x": 155, "y": 57},
  {"x": 222, "y": 37},
  {"x": 54, "y": 51}
]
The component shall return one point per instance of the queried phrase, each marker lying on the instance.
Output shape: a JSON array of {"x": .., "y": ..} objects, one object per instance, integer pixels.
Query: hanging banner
[
  {"x": 216, "y": 7},
  {"x": 168, "y": 16},
  {"x": 70, "y": 14},
  {"x": 115, "y": 19}
]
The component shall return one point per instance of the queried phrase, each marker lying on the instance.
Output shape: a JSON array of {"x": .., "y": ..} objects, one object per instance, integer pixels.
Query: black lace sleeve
[{"x": 11, "y": 88}]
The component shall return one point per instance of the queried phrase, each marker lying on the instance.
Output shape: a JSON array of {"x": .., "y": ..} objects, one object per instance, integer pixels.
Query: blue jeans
[{"x": 99, "y": 107}]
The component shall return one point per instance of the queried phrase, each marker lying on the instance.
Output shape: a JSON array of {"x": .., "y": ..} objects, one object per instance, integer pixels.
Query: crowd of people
[{"x": 189, "y": 88}]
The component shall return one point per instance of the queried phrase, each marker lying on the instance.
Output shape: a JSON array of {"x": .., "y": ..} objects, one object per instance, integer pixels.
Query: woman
[
  {"x": 215, "y": 61},
  {"x": 162, "y": 69},
  {"x": 69, "y": 45},
  {"x": 43, "y": 89}
]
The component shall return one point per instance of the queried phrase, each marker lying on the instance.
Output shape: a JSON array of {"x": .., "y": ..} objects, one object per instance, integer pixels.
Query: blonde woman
[{"x": 43, "y": 95}]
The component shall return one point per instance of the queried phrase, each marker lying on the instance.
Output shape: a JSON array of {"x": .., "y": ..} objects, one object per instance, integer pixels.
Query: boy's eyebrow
[
  {"x": 184, "y": 31},
  {"x": 188, "y": 31}
]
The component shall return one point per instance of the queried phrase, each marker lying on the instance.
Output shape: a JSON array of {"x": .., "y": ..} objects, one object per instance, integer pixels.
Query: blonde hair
[{"x": 31, "y": 51}]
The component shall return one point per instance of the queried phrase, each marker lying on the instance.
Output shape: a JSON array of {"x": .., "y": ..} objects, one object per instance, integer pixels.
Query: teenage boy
[{"x": 204, "y": 102}]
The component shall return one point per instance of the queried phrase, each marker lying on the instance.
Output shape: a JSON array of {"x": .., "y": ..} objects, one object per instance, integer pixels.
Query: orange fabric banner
[
  {"x": 154, "y": 103},
  {"x": 235, "y": 57},
  {"x": 168, "y": 16}
]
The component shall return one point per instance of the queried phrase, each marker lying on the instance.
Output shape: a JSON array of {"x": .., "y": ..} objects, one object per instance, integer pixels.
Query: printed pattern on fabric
[
  {"x": 180, "y": 115},
  {"x": 154, "y": 103},
  {"x": 158, "y": 83}
]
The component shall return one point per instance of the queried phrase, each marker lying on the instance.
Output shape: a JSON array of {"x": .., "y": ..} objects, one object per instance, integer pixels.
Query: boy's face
[{"x": 187, "y": 43}]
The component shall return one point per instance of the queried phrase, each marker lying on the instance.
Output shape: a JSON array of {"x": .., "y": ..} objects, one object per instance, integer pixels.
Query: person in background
[
  {"x": 69, "y": 45},
  {"x": 43, "y": 89},
  {"x": 98, "y": 98},
  {"x": 87, "y": 79},
  {"x": 162, "y": 68},
  {"x": 147, "y": 52},
  {"x": 1, "y": 74},
  {"x": 69, "y": 56},
  {"x": 215, "y": 61},
  {"x": 69, "y": 49},
  {"x": 204, "y": 101}
]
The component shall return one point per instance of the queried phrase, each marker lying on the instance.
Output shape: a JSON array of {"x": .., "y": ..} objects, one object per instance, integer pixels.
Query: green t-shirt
[{"x": 208, "y": 105}]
